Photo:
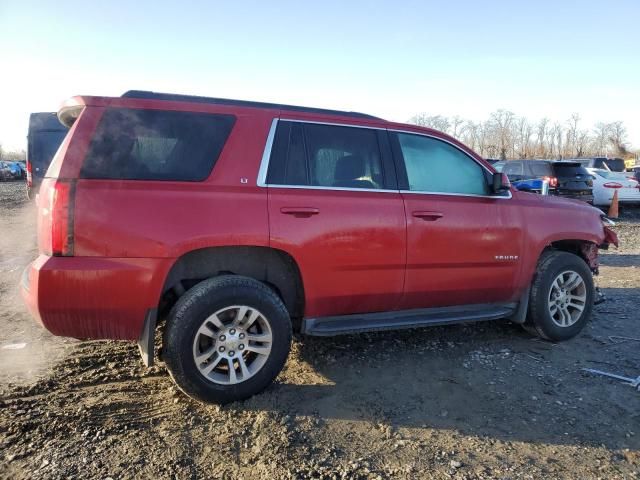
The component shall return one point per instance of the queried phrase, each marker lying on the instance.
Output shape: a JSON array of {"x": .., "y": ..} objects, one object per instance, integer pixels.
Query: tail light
[
  {"x": 553, "y": 181},
  {"x": 612, "y": 185},
  {"x": 29, "y": 175},
  {"x": 60, "y": 206}
]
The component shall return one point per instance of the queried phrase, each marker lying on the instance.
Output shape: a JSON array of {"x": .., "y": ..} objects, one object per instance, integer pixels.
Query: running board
[{"x": 399, "y": 319}]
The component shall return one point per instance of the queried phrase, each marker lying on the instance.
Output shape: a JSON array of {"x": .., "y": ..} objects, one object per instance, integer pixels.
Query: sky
[{"x": 392, "y": 59}]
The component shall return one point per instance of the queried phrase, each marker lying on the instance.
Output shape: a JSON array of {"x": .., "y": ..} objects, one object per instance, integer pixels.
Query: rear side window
[
  {"x": 326, "y": 156},
  {"x": 135, "y": 144},
  {"x": 540, "y": 169},
  {"x": 513, "y": 169}
]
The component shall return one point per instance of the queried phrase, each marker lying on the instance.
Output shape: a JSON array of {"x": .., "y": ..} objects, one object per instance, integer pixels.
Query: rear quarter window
[{"x": 133, "y": 144}]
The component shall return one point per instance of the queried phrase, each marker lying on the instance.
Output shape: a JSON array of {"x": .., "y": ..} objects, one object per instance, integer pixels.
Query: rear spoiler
[{"x": 70, "y": 109}]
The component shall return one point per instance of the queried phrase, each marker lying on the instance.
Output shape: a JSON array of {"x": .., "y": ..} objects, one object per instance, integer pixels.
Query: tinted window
[
  {"x": 540, "y": 169},
  {"x": 43, "y": 146},
  {"x": 615, "y": 164},
  {"x": 513, "y": 169},
  {"x": 435, "y": 166},
  {"x": 325, "y": 156},
  {"x": 569, "y": 170},
  {"x": 156, "y": 145}
]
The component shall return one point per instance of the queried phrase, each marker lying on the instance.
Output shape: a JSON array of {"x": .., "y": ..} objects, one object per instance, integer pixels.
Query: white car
[{"x": 605, "y": 183}]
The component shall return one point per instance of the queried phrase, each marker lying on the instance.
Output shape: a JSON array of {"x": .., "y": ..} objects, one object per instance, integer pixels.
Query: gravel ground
[{"x": 471, "y": 401}]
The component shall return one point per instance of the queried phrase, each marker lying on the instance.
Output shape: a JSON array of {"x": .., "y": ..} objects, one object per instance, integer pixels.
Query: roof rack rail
[{"x": 147, "y": 95}]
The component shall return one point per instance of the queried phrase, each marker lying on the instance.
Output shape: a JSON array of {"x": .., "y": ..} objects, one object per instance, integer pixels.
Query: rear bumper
[{"x": 90, "y": 297}]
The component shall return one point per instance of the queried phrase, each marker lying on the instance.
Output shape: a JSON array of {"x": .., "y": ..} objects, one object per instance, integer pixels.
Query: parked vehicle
[
  {"x": 498, "y": 165},
  {"x": 237, "y": 222},
  {"x": 45, "y": 135},
  {"x": 603, "y": 163},
  {"x": 5, "y": 171},
  {"x": 606, "y": 183},
  {"x": 15, "y": 170},
  {"x": 533, "y": 185},
  {"x": 23, "y": 169},
  {"x": 636, "y": 172},
  {"x": 566, "y": 179}
]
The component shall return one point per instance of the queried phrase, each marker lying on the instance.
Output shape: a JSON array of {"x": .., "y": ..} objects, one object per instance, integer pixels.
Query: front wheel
[
  {"x": 562, "y": 294},
  {"x": 226, "y": 339}
]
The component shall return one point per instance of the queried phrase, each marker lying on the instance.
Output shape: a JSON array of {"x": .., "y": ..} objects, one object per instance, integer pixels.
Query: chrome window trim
[
  {"x": 266, "y": 155},
  {"x": 445, "y": 141},
  {"x": 332, "y": 124},
  {"x": 339, "y": 189},
  {"x": 449, "y": 194}
]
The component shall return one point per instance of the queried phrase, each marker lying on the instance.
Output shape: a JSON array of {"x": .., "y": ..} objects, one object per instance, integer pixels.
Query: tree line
[{"x": 505, "y": 135}]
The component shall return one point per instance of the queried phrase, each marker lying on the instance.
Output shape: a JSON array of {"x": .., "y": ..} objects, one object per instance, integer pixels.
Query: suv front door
[
  {"x": 335, "y": 208},
  {"x": 463, "y": 243}
]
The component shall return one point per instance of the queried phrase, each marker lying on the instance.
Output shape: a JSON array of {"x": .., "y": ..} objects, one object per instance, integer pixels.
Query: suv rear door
[
  {"x": 463, "y": 244},
  {"x": 334, "y": 206},
  {"x": 573, "y": 180}
]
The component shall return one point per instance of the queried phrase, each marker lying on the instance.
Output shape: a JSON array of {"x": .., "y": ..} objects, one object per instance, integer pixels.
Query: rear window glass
[
  {"x": 42, "y": 148},
  {"x": 156, "y": 145},
  {"x": 569, "y": 170}
]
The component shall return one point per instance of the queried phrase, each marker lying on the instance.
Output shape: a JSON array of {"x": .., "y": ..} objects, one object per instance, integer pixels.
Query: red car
[{"x": 235, "y": 223}]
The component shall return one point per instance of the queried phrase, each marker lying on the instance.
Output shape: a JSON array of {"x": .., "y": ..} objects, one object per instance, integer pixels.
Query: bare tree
[
  {"x": 601, "y": 138},
  {"x": 541, "y": 138},
  {"x": 456, "y": 126},
  {"x": 437, "y": 122},
  {"x": 582, "y": 143},
  {"x": 523, "y": 144},
  {"x": 502, "y": 121},
  {"x": 572, "y": 135},
  {"x": 617, "y": 137},
  {"x": 504, "y": 135}
]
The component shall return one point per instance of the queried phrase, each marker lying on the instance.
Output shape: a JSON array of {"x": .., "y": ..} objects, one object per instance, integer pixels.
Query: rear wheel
[
  {"x": 562, "y": 296},
  {"x": 226, "y": 339}
]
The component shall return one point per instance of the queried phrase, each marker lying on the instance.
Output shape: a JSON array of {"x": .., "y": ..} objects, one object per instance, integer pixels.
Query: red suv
[{"x": 237, "y": 222}]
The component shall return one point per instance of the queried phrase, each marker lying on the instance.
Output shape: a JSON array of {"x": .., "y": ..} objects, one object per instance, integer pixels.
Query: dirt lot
[{"x": 475, "y": 401}]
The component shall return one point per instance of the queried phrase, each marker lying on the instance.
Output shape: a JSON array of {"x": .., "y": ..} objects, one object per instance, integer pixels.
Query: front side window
[
  {"x": 438, "y": 167},
  {"x": 325, "y": 156},
  {"x": 156, "y": 145}
]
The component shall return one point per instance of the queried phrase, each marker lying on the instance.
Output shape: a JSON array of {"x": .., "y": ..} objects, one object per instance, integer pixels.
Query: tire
[
  {"x": 198, "y": 359},
  {"x": 552, "y": 314}
]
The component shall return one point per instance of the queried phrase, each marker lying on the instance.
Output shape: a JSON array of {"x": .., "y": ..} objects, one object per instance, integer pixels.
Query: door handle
[
  {"x": 300, "y": 212},
  {"x": 428, "y": 216}
]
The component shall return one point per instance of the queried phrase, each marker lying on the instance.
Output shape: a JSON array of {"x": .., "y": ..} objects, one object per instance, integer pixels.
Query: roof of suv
[{"x": 146, "y": 95}]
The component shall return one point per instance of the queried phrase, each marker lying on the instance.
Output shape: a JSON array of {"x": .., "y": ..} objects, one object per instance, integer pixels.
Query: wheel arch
[
  {"x": 271, "y": 266},
  {"x": 585, "y": 249}
]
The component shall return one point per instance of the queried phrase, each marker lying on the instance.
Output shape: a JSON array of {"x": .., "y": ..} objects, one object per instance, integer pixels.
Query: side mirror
[{"x": 500, "y": 183}]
